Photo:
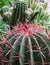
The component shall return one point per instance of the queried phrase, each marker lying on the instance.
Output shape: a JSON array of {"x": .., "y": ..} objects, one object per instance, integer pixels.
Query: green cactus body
[
  {"x": 28, "y": 45},
  {"x": 28, "y": 55},
  {"x": 18, "y": 13}
]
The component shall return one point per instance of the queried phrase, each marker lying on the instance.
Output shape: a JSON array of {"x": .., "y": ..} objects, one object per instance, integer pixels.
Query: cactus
[
  {"x": 43, "y": 16},
  {"x": 18, "y": 13},
  {"x": 26, "y": 44}
]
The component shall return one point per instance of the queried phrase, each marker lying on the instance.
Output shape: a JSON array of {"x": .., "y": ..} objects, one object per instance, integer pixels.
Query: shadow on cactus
[{"x": 26, "y": 44}]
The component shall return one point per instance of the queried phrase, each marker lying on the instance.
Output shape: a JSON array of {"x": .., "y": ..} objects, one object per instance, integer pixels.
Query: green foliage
[
  {"x": 3, "y": 3},
  {"x": 3, "y": 26},
  {"x": 1, "y": 23}
]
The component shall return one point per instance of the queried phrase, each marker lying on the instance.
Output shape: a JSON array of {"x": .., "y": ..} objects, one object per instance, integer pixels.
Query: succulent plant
[
  {"x": 43, "y": 16},
  {"x": 25, "y": 44},
  {"x": 18, "y": 13},
  {"x": 6, "y": 13}
]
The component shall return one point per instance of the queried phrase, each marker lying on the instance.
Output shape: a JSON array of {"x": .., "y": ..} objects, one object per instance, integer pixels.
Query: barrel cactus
[{"x": 25, "y": 44}]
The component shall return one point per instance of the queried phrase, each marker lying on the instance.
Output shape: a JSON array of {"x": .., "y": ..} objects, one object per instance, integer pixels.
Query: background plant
[{"x": 43, "y": 17}]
